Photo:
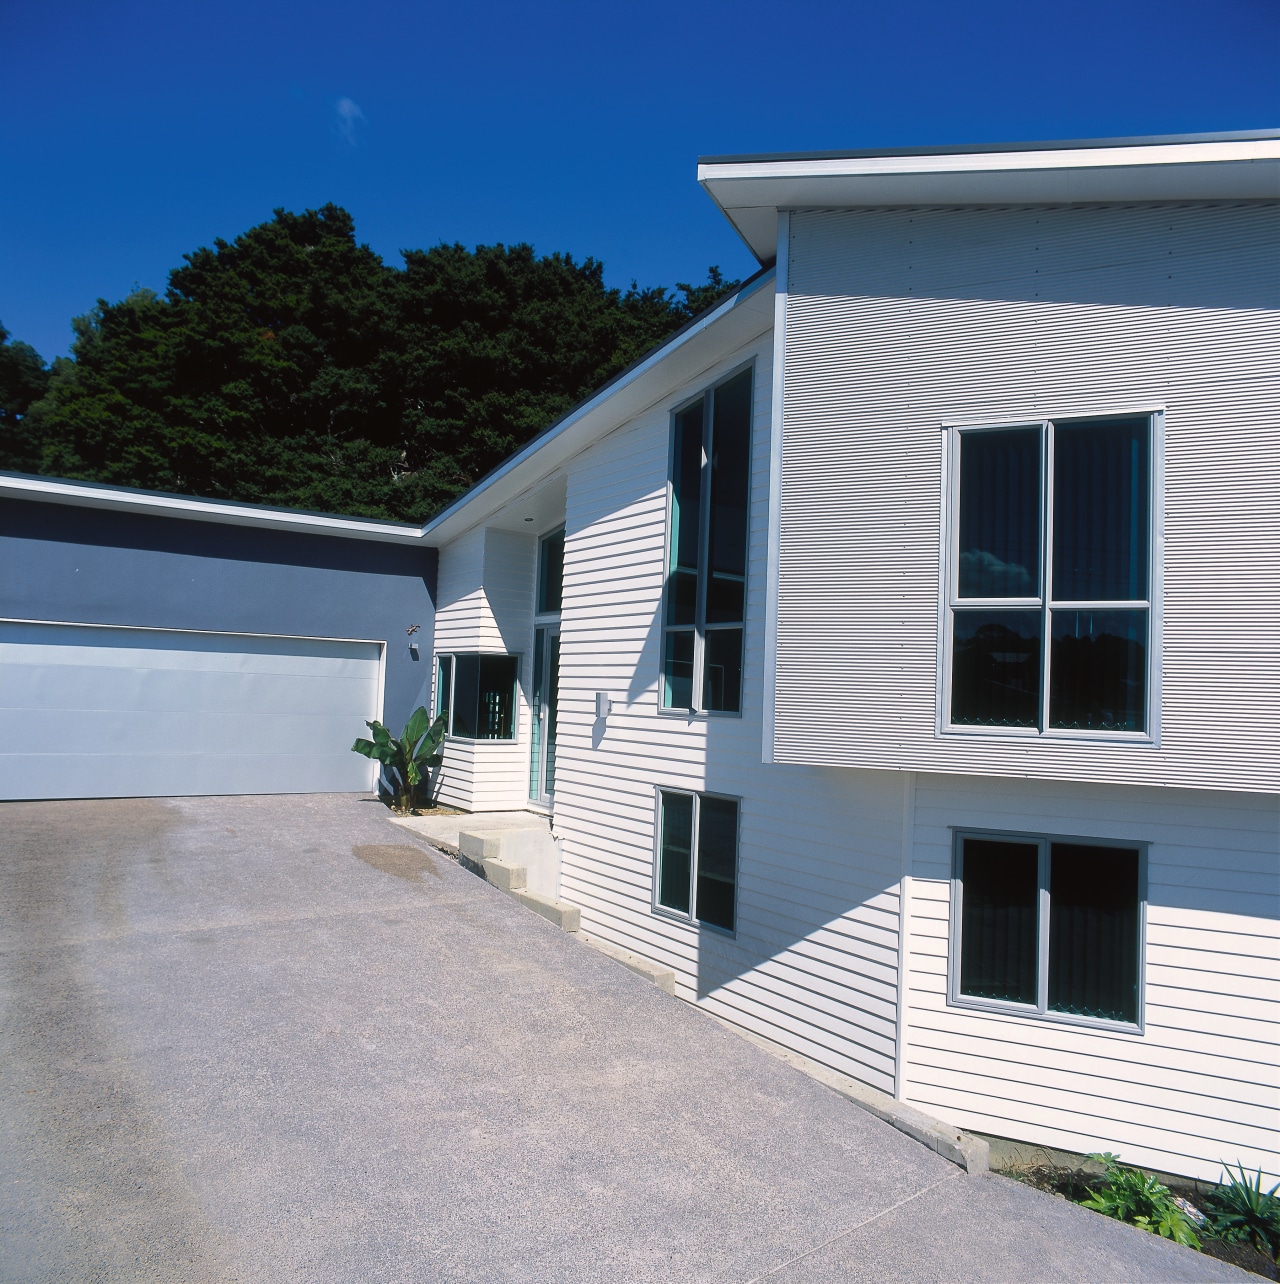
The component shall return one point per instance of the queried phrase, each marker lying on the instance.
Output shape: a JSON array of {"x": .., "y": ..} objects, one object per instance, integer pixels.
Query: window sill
[
  {"x": 994, "y": 1007},
  {"x": 671, "y": 916},
  {"x": 698, "y": 715},
  {"x": 488, "y": 740},
  {"x": 1025, "y": 735}
]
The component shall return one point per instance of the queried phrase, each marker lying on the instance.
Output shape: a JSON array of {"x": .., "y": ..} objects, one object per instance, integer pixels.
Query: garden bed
[{"x": 1087, "y": 1180}]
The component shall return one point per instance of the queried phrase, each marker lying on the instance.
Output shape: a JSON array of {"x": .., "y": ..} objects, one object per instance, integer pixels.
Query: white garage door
[{"x": 105, "y": 712}]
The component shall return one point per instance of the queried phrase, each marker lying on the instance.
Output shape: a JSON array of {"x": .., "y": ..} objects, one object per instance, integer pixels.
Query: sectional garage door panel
[{"x": 92, "y": 712}]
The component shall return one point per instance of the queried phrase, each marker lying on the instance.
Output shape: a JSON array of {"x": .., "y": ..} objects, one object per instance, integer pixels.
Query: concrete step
[{"x": 531, "y": 847}]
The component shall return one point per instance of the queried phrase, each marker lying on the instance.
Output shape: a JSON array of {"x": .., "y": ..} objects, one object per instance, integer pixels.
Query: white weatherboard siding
[
  {"x": 485, "y": 604},
  {"x": 105, "y": 712},
  {"x": 899, "y": 321},
  {"x": 813, "y": 965},
  {"x": 1201, "y": 1084}
]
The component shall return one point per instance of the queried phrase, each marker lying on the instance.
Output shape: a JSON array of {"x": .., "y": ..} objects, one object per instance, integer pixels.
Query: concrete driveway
[{"x": 274, "y": 1039}]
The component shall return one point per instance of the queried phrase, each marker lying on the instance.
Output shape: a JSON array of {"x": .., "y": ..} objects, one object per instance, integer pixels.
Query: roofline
[
  {"x": 978, "y": 149},
  {"x": 641, "y": 365},
  {"x": 154, "y": 503}
]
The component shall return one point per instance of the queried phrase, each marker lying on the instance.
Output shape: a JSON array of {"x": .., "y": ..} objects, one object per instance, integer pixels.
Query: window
[
  {"x": 1047, "y": 927},
  {"x": 707, "y": 561},
  {"x": 550, "y": 573},
  {"x": 1050, "y": 578},
  {"x": 697, "y": 875},
  {"x": 478, "y": 695}
]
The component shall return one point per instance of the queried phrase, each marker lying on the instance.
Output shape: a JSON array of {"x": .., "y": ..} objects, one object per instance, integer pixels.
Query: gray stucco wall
[{"x": 93, "y": 566}]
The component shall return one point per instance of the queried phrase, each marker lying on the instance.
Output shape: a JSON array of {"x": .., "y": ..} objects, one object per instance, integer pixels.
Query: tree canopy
[{"x": 292, "y": 366}]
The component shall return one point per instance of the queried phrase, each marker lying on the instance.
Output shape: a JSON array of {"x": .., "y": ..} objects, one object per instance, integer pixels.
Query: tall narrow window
[
  {"x": 697, "y": 871},
  {"x": 1050, "y": 609},
  {"x": 1047, "y": 927},
  {"x": 707, "y": 569},
  {"x": 550, "y": 573}
]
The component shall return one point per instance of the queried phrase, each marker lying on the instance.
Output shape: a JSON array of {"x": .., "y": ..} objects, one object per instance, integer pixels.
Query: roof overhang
[
  {"x": 146, "y": 503},
  {"x": 751, "y": 190}
]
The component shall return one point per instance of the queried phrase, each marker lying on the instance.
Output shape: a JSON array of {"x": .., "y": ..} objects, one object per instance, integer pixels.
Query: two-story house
[{"x": 897, "y": 649}]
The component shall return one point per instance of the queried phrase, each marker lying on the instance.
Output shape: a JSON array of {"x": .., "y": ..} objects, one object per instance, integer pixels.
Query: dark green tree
[
  {"x": 292, "y": 366},
  {"x": 24, "y": 377}
]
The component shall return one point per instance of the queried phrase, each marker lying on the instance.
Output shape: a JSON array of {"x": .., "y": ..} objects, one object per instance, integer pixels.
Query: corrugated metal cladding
[{"x": 900, "y": 320}]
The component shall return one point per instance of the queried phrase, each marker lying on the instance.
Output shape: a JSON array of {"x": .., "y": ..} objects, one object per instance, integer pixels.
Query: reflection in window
[
  {"x": 478, "y": 694},
  {"x": 1085, "y": 641},
  {"x": 697, "y": 874},
  {"x": 707, "y": 574}
]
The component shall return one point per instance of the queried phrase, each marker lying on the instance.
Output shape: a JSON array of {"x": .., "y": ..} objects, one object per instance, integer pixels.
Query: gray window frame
[
  {"x": 664, "y": 911},
  {"x": 1044, "y": 601},
  {"x": 452, "y": 656},
  {"x": 700, "y": 626},
  {"x": 1041, "y": 1010}
]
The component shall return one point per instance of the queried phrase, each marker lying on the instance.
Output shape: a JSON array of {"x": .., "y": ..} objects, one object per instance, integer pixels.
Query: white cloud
[{"x": 349, "y": 117}]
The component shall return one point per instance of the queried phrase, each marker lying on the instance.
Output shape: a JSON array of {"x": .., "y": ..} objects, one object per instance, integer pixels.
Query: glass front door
[{"x": 546, "y": 689}]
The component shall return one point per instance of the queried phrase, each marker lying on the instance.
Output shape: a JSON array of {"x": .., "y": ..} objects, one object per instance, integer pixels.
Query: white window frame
[
  {"x": 1041, "y": 1011},
  {"x": 665, "y": 911},
  {"x": 452, "y": 657},
  {"x": 699, "y": 626},
  {"x": 949, "y": 558}
]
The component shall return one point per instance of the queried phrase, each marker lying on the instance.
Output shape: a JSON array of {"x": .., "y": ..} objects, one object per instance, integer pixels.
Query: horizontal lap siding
[
  {"x": 485, "y": 603},
  {"x": 814, "y": 963},
  {"x": 901, "y": 320},
  {"x": 1201, "y": 1084}
]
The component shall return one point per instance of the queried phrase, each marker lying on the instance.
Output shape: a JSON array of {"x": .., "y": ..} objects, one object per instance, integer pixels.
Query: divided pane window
[
  {"x": 697, "y": 874},
  {"x": 1050, "y": 610},
  {"x": 707, "y": 571},
  {"x": 1054, "y": 927},
  {"x": 478, "y": 693}
]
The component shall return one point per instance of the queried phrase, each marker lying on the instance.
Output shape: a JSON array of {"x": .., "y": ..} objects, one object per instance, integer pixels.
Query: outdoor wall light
[{"x": 603, "y": 704}]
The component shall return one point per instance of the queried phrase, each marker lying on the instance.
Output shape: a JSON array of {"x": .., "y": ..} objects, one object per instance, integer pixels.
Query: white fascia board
[
  {"x": 749, "y": 192},
  {"x": 151, "y": 504},
  {"x": 742, "y": 317}
]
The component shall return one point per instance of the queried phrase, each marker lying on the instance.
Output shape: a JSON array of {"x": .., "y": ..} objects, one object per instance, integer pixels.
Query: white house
[{"x": 897, "y": 649}]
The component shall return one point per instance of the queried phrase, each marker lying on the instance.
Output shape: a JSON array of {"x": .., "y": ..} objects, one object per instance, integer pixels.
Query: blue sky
[{"x": 135, "y": 131}]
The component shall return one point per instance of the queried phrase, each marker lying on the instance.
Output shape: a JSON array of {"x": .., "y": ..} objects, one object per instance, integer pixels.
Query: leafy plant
[
  {"x": 405, "y": 759},
  {"x": 1132, "y": 1196},
  {"x": 1240, "y": 1210}
]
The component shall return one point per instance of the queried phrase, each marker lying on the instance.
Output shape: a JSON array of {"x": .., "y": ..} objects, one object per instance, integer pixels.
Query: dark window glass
[
  {"x": 551, "y": 572},
  {"x": 444, "y": 684},
  {"x": 722, "y": 671},
  {"x": 717, "y": 861},
  {"x": 686, "y": 508},
  {"x": 1000, "y": 513},
  {"x": 1000, "y": 932},
  {"x": 1098, "y": 670},
  {"x": 677, "y": 671},
  {"x": 1100, "y": 511},
  {"x": 1093, "y": 931},
  {"x": 484, "y": 697},
  {"x": 497, "y": 697},
  {"x": 675, "y": 854},
  {"x": 466, "y": 691},
  {"x": 995, "y": 669},
  {"x": 730, "y": 487}
]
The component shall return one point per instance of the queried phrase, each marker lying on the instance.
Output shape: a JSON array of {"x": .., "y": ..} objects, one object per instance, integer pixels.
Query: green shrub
[
  {"x": 405, "y": 759},
  {"x": 1132, "y": 1196},
  {"x": 1241, "y": 1211}
]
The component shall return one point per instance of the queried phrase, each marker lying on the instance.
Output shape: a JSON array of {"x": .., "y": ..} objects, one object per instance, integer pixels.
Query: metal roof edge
[
  {"x": 641, "y": 365},
  {"x": 979, "y": 149},
  {"x": 154, "y": 503}
]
